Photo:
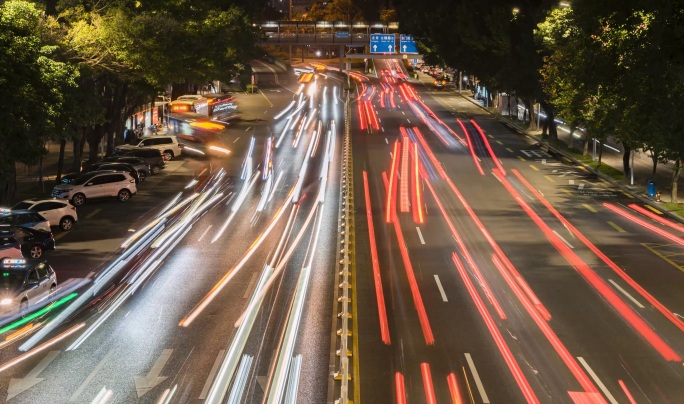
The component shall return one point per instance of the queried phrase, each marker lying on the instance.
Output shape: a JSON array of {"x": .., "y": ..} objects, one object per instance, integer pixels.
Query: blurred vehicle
[
  {"x": 57, "y": 212},
  {"x": 9, "y": 246},
  {"x": 24, "y": 283},
  {"x": 153, "y": 157},
  {"x": 439, "y": 84},
  {"x": 33, "y": 243},
  {"x": 137, "y": 162},
  {"x": 97, "y": 184},
  {"x": 24, "y": 218},
  {"x": 125, "y": 167},
  {"x": 168, "y": 145}
]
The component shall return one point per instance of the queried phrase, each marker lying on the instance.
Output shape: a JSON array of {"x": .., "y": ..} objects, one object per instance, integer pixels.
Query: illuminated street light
[{"x": 565, "y": 4}]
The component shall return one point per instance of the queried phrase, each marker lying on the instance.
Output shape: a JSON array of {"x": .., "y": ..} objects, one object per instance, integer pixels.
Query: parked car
[
  {"x": 24, "y": 283},
  {"x": 58, "y": 212},
  {"x": 9, "y": 246},
  {"x": 137, "y": 162},
  {"x": 153, "y": 157},
  {"x": 24, "y": 218},
  {"x": 168, "y": 145},
  {"x": 97, "y": 184},
  {"x": 125, "y": 167},
  {"x": 32, "y": 243}
]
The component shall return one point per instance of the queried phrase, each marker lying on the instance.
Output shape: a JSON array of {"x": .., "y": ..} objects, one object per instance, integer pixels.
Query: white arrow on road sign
[
  {"x": 389, "y": 47},
  {"x": 375, "y": 47},
  {"x": 404, "y": 48},
  {"x": 18, "y": 386},
  {"x": 147, "y": 383}
]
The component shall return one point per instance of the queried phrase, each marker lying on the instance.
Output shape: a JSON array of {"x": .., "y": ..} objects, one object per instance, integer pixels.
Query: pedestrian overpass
[{"x": 352, "y": 39}]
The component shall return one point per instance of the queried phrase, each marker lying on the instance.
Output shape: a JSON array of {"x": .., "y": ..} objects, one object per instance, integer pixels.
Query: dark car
[
  {"x": 153, "y": 157},
  {"x": 138, "y": 163},
  {"x": 139, "y": 177},
  {"x": 34, "y": 243}
]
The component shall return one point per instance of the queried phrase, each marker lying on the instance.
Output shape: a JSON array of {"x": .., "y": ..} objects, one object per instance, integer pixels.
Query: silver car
[{"x": 24, "y": 283}]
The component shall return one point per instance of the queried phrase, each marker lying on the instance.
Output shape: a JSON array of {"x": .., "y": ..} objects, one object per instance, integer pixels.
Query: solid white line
[
  {"x": 249, "y": 287},
  {"x": 90, "y": 377},
  {"x": 210, "y": 379},
  {"x": 597, "y": 381},
  {"x": 564, "y": 240},
  {"x": 476, "y": 376},
  {"x": 205, "y": 232},
  {"x": 420, "y": 235},
  {"x": 630, "y": 297},
  {"x": 441, "y": 289}
]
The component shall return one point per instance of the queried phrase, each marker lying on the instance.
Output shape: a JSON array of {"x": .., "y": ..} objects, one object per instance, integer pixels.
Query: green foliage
[{"x": 335, "y": 10}]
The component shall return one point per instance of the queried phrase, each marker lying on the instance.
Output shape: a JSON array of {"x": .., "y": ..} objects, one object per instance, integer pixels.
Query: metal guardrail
[{"x": 347, "y": 263}]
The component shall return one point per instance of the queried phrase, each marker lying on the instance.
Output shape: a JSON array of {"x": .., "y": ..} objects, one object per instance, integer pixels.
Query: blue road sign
[
  {"x": 342, "y": 34},
  {"x": 382, "y": 43},
  {"x": 407, "y": 44}
]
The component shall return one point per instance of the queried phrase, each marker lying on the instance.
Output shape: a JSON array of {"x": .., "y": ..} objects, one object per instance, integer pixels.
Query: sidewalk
[{"x": 611, "y": 168}]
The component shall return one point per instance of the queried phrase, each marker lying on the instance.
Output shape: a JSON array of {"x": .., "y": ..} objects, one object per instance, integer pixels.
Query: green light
[
  {"x": 5, "y": 274},
  {"x": 38, "y": 313}
]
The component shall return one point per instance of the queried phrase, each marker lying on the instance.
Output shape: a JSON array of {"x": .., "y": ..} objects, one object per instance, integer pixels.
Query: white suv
[
  {"x": 97, "y": 184},
  {"x": 55, "y": 211},
  {"x": 167, "y": 144}
]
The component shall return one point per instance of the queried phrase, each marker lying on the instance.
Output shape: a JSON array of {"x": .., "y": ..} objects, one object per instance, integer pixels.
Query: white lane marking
[
  {"x": 597, "y": 380},
  {"x": 249, "y": 286},
  {"x": 441, "y": 289},
  {"x": 91, "y": 376},
  {"x": 212, "y": 372},
  {"x": 407, "y": 120},
  {"x": 476, "y": 376},
  {"x": 679, "y": 315},
  {"x": 248, "y": 128},
  {"x": 580, "y": 186},
  {"x": 236, "y": 139},
  {"x": 18, "y": 386},
  {"x": 624, "y": 292},
  {"x": 143, "y": 384},
  {"x": 571, "y": 182},
  {"x": 382, "y": 128},
  {"x": 386, "y": 141},
  {"x": 402, "y": 112},
  {"x": 203, "y": 234},
  {"x": 420, "y": 235},
  {"x": 543, "y": 161},
  {"x": 564, "y": 240}
]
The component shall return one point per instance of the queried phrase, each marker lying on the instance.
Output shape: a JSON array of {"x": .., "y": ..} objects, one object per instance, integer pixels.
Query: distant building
[{"x": 298, "y": 6}]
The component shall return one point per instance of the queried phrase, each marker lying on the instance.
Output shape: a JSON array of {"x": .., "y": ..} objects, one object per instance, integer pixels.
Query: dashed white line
[
  {"x": 420, "y": 235},
  {"x": 407, "y": 120},
  {"x": 203, "y": 234},
  {"x": 248, "y": 128},
  {"x": 624, "y": 292},
  {"x": 236, "y": 139},
  {"x": 597, "y": 380},
  {"x": 476, "y": 376},
  {"x": 564, "y": 240},
  {"x": 441, "y": 289},
  {"x": 386, "y": 141},
  {"x": 212, "y": 372}
]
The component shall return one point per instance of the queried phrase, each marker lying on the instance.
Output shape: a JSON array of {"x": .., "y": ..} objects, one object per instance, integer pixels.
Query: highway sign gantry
[
  {"x": 382, "y": 43},
  {"x": 407, "y": 44}
]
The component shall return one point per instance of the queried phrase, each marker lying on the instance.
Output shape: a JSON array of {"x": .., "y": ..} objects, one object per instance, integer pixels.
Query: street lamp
[{"x": 564, "y": 4}]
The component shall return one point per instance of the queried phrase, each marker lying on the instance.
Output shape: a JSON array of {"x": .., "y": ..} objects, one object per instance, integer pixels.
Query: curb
[{"x": 623, "y": 188}]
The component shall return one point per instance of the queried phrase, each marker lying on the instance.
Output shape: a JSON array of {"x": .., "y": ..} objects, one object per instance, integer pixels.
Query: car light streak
[
  {"x": 38, "y": 313},
  {"x": 377, "y": 278},
  {"x": 265, "y": 193},
  {"x": 433, "y": 116},
  {"x": 489, "y": 147},
  {"x": 268, "y": 159},
  {"x": 367, "y": 107},
  {"x": 302, "y": 172},
  {"x": 390, "y": 213},
  {"x": 362, "y": 119},
  {"x": 191, "y": 184},
  {"x": 453, "y": 389},
  {"x": 324, "y": 169},
  {"x": 234, "y": 208},
  {"x": 185, "y": 322},
  {"x": 316, "y": 139},
  {"x": 275, "y": 186},
  {"x": 235, "y": 396},
  {"x": 284, "y": 111},
  {"x": 281, "y": 264},
  {"x": 192, "y": 149},
  {"x": 399, "y": 388},
  {"x": 417, "y": 196},
  {"x": 391, "y": 99},
  {"x": 42, "y": 347},
  {"x": 283, "y": 133},
  {"x": 427, "y": 384},
  {"x": 627, "y": 393},
  {"x": 295, "y": 120},
  {"x": 594, "y": 280},
  {"x": 644, "y": 224},
  {"x": 469, "y": 259},
  {"x": 170, "y": 204},
  {"x": 219, "y": 149},
  {"x": 198, "y": 207},
  {"x": 663, "y": 310},
  {"x": 476, "y": 160},
  {"x": 405, "y": 176},
  {"x": 513, "y": 365},
  {"x": 659, "y": 219},
  {"x": 293, "y": 380},
  {"x": 278, "y": 381}
]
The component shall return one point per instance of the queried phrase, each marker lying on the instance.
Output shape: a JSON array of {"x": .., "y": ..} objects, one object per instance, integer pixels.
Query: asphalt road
[
  {"x": 161, "y": 326},
  {"x": 558, "y": 324}
]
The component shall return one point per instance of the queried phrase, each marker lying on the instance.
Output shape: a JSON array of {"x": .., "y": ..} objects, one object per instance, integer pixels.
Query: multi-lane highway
[
  {"x": 488, "y": 269},
  {"x": 221, "y": 289},
  {"x": 503, "y": 272}
]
